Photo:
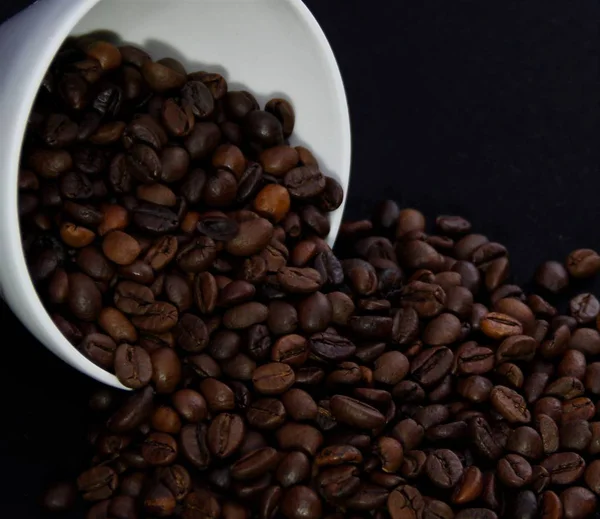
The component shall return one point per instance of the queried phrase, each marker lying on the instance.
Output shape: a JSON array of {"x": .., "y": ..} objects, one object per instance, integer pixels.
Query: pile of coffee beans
[
  {"x": 156, "y": 206},
  {"x": 178, "y": 241}
]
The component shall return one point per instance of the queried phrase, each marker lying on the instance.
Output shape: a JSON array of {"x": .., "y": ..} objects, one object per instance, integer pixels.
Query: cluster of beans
[
  {"x": 179, "y": 242},
  {"x": 146, "y": 190}
]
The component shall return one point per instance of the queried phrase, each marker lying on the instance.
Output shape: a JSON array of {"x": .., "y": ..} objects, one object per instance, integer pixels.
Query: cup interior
[{"x": 273, "y": 48}]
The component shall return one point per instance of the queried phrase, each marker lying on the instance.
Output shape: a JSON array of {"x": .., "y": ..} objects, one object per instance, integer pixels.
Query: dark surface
[{"x": 486, "y": 109}]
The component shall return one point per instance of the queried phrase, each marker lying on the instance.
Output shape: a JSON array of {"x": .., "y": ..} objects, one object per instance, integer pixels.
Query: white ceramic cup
[{"x": 270, "y": 47}]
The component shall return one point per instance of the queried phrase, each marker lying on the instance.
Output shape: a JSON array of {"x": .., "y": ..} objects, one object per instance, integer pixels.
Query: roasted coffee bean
[
  {"x": 584, "y": 308},
  {"x": 564, "y": 467},
  {"x": 483, "y": 438},
  {"x": 273, "y": 378},
  {"x": 585, "y": 340},
  {"x": 432, "y": 365},
  {"x": 255, "y": 464},
  {"x": 194, "y": 445},
  {"x": 526, "y": 442},
  {"x": 583, "y": 263},
  {"x": 266, "y": 413},
  {"x": 578, "y": 502},
  {"x": 499, "y": 326},
  {"x": 299, "y": 404},
  {"x": 552, "y": 276},
  {"x": 133, "y": 412},
  {"x": 510, "y": 404},
  {"x": 133, "y": 366},
  {"x": 262, "y": 129},
  {"x": 97, "y": 483},
  {"x": 442, "y": 330},
  {"x": 514, "y": 471},
  {"x": 405, "y": 502},
  {"x": 290, "y": 349},
  {"x": 444, "y": 468},
  {"x": 190, "y": 405},
  {"x": 225, "y": 434},
  {"x": 292, "y": 469},
  {"x": 516, "y": 348},
  {"x": 331, "y": 346},
  {"x": 294, "y": 436},
  {"x": 355, "y": 413}
]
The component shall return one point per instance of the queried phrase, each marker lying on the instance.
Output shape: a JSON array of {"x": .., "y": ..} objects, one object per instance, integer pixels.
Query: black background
[{"x": 485, "y": 109}]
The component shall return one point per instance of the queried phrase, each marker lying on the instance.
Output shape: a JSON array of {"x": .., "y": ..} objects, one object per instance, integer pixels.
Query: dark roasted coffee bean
[
  {"x": 584, "y": 308},
  {"x": 444, "y": 468},
  {"x": 355, "y": 413},
  {"x": 499, "y": 326},
  {"x": 97, "y": 483},
  {"x": 292, "y": 469},
  {"x": 290, "y": 349},
  {"x": 526, "y": 442},
  {"x": 332, "y": 347},
  {"x": 510, "y": 404},
  {"x": 406, "y": 502},
  {"x": 255, "y": 464},
  {"x": 273, "y": 378},
  {"x": 516, "y": 348},
  {"x": 432, "y": 365},
  {"x": 552, "y": 276},
  {"x": 193, "y": 445},
  {"x": 295, "y": 436},
  {"x": 133, "y": 366},
  {"x": 575, "y": 435},
  {"x": 564, "y": 467},
  {"x": 578, "y": 503},
  {"x": 299, "y": 405},
  {"x": 266, "y": 413},
  {"x": 225, "y": 434},
  {"x": 514, "y": 471},
  {"x": 583, "y": 263}
]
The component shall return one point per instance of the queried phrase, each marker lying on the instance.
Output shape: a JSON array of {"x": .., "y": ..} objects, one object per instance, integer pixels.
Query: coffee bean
[
  {"x": 133, "y": 411},
  {"x": 431, "y": 365},
  {"x": 514, "y": 471},
  {"x": 575, "y": 435},
  {"x": 262, "y": 129},
  {"x": 158, "y": 318},
  {"x": 290, "y": 349},
  {"x": 564, "y": 467},
  {"x": 584, "y": 308},
  {"x": 133, "y": 366},
  {"x": 583, "y": 263},
  {"x": 193, "y": 444},
  {"x": 443, "y": 329},
  {"x": 97, "y": 483},
  {"x": 510, "y": 404},
  {"x": 578, "y": 503},
  {"x": 301, "y": 502},
  {"x": 190, "y": 405},
  {"x": 284, "y": 111},
  {"x": 273, "y": 378},
  {"x": 500, "y": 326},
  {"x": 552, "y": 276},
  {"x": 526, "y": 442},
  {"x": 516, "y": 348},
  {"x": 355, "y": 413},
  {"x": 225, "y": 434},
  {"x": 444, "y": 468}
]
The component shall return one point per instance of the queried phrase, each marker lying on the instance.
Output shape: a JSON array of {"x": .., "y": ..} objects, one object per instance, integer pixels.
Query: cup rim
[{"x": 22, "y": 287}]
